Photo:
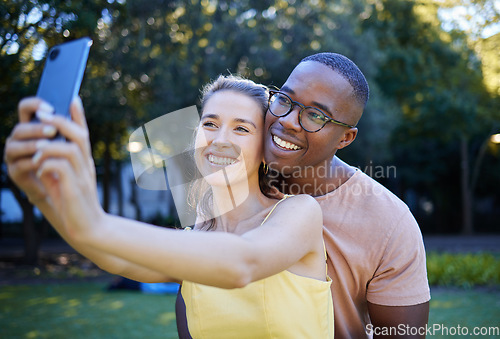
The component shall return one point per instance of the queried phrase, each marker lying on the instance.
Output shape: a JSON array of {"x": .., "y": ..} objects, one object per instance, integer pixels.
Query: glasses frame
[{"x": 302, "y": 108}]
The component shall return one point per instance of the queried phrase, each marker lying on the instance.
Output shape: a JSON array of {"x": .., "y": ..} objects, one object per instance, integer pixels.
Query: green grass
[
  {"x": 87, "y": 310},
  {"x": 84, "y": 310},
  {"x": 464, "y": 308}
]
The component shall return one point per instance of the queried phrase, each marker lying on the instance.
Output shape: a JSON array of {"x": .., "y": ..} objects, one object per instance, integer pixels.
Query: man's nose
[{"x": 291, "y": 120}]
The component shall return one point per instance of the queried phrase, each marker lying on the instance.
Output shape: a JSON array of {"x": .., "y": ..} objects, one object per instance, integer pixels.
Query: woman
[{"x": 255, "y": 268}]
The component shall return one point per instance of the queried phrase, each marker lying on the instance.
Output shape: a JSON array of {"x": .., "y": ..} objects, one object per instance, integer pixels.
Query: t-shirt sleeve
[{"x": 401, "y": 277}]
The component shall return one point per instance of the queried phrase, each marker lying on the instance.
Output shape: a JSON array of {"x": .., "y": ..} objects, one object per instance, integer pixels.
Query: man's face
[{"x": 288, "y": 147}]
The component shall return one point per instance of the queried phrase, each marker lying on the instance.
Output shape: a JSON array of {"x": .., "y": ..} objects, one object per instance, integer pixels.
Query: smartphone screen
[{"x": 63, "y": 74}]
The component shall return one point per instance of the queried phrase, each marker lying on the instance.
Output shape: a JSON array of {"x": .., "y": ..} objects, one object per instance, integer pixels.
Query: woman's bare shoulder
[{"x": 303, "y": 205}]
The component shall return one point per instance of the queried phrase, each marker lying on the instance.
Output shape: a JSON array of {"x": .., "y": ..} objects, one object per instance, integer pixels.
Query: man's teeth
[
  {"x": 220, "y": 161},
  {"x": 285, "y": 144}
]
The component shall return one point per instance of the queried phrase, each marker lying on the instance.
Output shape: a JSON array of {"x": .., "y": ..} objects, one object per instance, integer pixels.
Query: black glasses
[{"x": 311, "y": 119}]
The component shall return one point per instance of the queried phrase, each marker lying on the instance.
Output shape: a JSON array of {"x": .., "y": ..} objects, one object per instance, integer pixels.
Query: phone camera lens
[{"x": 54, "y": 54}]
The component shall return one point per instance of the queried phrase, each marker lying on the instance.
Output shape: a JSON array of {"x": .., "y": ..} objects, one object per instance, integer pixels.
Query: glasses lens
[
  {"x": 279, "y": 104},
  {"x": 312, "y": 119}
]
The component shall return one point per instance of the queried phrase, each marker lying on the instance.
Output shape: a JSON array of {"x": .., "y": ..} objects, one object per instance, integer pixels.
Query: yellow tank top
[{"x": 284, "y": 305}]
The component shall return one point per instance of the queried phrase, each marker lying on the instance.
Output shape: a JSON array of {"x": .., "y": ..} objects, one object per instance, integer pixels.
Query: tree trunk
[
  {"x": 1, "y": 212},
  {"x": 119, "y": 188},
  {"x": 106, "y": 176},
  {"x": 134, "y": 200},
  {"x": 30, "y": 233},
  {"x": 467, "y": 226}
]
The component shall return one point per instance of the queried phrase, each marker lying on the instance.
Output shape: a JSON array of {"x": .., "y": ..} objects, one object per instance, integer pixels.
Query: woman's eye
[
  {"x": 209, "y": 124},
  {"x": 242, "y": 129}
]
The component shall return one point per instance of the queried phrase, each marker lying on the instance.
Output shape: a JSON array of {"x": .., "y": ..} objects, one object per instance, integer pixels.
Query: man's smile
[{"x": 284, "y": 144}]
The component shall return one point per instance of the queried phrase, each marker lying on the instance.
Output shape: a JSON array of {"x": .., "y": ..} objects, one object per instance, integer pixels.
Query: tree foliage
[
  {"x": 428, "y": 92},
  {"x": 437, "y": 82}
]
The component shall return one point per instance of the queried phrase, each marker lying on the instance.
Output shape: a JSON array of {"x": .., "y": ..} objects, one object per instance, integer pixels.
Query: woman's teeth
[
  {"x": 220, "y": 161},
  {"x": 285, "y": 144}
]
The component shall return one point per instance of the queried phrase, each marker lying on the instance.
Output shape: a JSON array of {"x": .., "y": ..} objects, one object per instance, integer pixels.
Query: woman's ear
[{"x": 349, "y": 137}]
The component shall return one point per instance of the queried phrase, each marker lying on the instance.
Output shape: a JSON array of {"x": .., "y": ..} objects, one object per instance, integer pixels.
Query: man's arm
[
  {"x": 401, "y": 279},
  {"x": 407, "y": 321}
]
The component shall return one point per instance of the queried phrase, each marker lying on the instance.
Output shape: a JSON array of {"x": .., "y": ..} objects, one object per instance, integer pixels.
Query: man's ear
[{"x": 349, "y": 137}]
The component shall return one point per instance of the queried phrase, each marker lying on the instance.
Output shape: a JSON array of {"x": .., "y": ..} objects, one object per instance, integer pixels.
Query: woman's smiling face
[{"x": 230, "y": 138}]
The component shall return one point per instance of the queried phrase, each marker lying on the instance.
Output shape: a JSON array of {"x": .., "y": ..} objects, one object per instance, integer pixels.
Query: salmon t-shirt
[{"x": 375, "y": 252}]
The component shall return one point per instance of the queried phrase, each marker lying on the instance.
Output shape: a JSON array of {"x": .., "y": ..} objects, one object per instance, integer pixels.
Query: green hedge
[{"x": 463, "y": 270}]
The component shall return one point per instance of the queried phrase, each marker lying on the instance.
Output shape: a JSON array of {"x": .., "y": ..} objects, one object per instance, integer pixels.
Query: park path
[
  {"x": 53, "y": 252},
  {"x": 462, "y": 243}
]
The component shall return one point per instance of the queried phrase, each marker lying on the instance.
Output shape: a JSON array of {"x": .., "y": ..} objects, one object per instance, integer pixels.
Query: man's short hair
[{"x": 348, "y": 70}]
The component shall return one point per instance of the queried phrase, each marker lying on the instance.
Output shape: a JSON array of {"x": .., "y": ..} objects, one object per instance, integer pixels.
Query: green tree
[
  {"x": 151, "y": 58},
  {"x": 154, "y": 57},
  {"x": 478, "y": 19},
  {"x": 27, "y": 28},
  {"x": 437, "y": 81}
]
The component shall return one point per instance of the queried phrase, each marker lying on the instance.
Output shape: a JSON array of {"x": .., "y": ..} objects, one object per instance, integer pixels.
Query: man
[{"x": 376, "y": 256}]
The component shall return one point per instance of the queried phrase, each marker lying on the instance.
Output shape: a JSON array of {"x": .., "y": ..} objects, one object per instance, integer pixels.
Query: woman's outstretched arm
[
  {"x": 220, "y": 259},
  {"x": 21, "y": 146},
  {"x": 212, "y": 258}
]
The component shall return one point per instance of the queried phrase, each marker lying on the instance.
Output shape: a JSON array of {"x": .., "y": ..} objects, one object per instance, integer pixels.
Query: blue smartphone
[{"x": 63, "y": 74}]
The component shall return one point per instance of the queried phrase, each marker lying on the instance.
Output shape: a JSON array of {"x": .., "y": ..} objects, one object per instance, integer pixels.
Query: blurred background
[{"x": 430, "y": 132}]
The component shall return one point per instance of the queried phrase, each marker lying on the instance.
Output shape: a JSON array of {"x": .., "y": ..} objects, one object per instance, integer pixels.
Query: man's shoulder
[
  {"x": 363, "y": 189},
  {"x": 364, "y": 201}
]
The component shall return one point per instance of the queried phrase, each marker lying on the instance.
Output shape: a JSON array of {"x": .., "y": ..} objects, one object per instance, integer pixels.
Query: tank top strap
[
  {"x": 326, "y": 258},
  {"x": 285, "y": 196}
]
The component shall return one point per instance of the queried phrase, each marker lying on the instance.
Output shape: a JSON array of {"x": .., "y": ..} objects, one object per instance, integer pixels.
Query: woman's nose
[{"x": 221, "y": 138}]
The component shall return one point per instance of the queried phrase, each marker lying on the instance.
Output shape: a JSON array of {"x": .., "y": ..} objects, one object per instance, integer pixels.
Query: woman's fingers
[
  {"x": 28, "y": 106},
  {"x": 71, "y": 130},
  {"x": 78, "y": 116},
  {"x": 21, "y": 168},
  {"x": 17, "y": 150},
  {"x": 67, "y": 128},
  {"x": 29, "y": 130},
  {"x": 75, "y": 131},
  {"x": 22, "y": 173},
  {"x": 57, "y": 168},
  {"x": 27, "y": 137},
  {"x": 62, "y": 150},
  {"x": 78, "y": 113},
  {"x": 59, "y": 179}
]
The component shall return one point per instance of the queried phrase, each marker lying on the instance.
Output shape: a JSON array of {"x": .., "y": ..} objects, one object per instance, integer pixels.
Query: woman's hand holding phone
[
  {"x": 22, "y": 144},
  {"x": 67, "y": 173},
  {"x": 59, "y": 85}
]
